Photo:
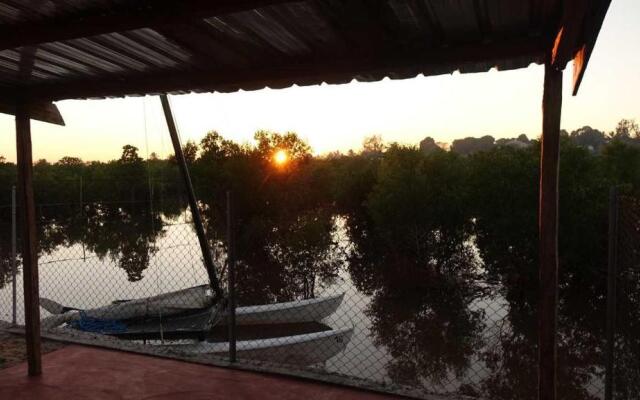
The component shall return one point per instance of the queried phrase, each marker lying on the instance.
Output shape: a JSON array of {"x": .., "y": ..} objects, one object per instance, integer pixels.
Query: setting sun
[{"x": 280, "y": 157}]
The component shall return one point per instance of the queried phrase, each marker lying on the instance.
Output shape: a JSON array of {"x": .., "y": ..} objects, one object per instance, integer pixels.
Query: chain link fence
[
  {"x": 625, "y": 312},
  {"x": 318, "y": 299}
]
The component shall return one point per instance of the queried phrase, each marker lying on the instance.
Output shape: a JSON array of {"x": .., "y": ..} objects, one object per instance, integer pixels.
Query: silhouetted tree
[{"x": 472, "y": 145}]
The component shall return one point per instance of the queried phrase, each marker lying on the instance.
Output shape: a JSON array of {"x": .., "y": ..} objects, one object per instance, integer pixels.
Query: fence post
[
  {"x": 14, "y": 261},
  {"x": 84, "y": 252},
  {"x": 611, "y": 292},
  {"x": 231, "y": 276}
]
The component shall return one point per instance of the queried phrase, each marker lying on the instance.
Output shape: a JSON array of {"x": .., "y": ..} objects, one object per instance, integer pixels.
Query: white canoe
[
  {"x": 290, "y": 312},
  {"x": 279, "y": 313},
  {"x": 306, "y": 349}
]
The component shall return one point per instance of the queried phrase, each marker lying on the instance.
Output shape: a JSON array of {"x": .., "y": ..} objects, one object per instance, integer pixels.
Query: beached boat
[
  {"x": 305, "y": 349},
  {"x": 293, "y": 312},
  {"x": 289, "y": 312},
  {"x": 180, "y": 311},
  {"x": 194, "y": 298}
]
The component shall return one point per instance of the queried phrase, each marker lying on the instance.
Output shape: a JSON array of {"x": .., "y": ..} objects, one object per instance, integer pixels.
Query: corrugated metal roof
[{"x": 278, "y": 45}]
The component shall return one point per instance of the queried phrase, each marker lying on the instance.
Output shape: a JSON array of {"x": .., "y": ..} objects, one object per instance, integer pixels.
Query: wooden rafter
[
  {"x": 132, "y": 15},
  {"x": 41, "y": 111},
  {"x": 567, "y": 38},
  {"x": 593, "y": 24}
]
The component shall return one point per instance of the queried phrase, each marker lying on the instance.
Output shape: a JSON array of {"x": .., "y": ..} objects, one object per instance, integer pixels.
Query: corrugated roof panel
[
  {"x": 332, "y": 40},
  {"x": 9, "y": 72},
  {"x": 135, "y": 49},
  {"x": 457, "y": 18},
  {"x": 235, "y": 29},
  {"x": 410, "y": 18},
  {"x": 308, "y": 21},
  {"x": 8, "y": 13},
  {"x": 86, "y": 58},
  {"x": 47, "y": 68},
  {"x": 303, "y": 31},
  {"x": 508, "y": 16},
  {"x": 105, "y": 53},
  {"x": 241, "y": 42},
  {"x": 40, "y": 10},
  {"x": 44, "y": 56},
  {"x": 205, "y": 45},
  {"x": 267, "y": 29},
  {"x": 517, "y": 63},
  {"x": 472, "y": 68},
  {"x": 158, "y": 42},
  {"x": 37, "y": 10}
]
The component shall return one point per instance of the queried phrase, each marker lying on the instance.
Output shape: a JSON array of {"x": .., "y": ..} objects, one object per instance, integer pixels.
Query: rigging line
[
  {"x": 164, "y": 152},
  {"x": 146, "y": 143},
  {"x": 195, "y": 278}
]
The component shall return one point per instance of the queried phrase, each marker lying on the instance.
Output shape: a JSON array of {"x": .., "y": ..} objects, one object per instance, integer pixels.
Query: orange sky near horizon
[{"x": 339, "y": 117}]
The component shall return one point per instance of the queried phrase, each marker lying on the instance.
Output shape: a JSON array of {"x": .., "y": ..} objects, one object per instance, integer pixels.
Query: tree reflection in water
[
  {"x": 422, "y": 315},
  {"x": 428, "y": 329},
  {"x": 444, "y": 247},
  {"x": 124, "y": 232},
  {"x": 6, "y": 265}
]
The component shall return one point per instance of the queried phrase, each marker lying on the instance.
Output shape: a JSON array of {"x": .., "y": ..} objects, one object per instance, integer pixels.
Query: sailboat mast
[{"x": 193, "y": 205}]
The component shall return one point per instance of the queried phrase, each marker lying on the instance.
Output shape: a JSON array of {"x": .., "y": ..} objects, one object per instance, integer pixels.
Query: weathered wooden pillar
[
  {"x": 27, "y": 215},
  {"x": 548, "y": 230}
]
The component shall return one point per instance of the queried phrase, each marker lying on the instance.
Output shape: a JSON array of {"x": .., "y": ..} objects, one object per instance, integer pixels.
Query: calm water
[{"x": 433, "y": 332}]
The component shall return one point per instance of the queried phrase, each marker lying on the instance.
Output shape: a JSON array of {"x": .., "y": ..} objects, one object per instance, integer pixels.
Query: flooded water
[{"x": 411, "y": 327}]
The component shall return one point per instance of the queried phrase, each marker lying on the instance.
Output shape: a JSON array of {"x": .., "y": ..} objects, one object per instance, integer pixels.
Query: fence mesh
[
  {"x": 132, "y": 271},
  {"x": 627, "y": 321}
]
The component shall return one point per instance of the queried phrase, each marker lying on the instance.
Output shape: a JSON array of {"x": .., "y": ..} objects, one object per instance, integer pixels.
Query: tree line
[{"x": 431, "y": 232}]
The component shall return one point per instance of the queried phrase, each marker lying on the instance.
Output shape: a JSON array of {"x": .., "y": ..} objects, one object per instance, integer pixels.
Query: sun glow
[{"x": 280, "y": 157}]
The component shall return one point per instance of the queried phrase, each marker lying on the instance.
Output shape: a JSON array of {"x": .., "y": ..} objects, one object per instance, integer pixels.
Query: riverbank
[{"x": 13, "y": 349}]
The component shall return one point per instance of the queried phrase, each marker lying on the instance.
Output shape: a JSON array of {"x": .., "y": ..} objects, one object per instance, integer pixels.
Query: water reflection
[
  {"x": 124, "y": 232},
  {"x": 444, "y": 318},
  {"x": 6, "y": 264},
  {"x": 281, "y": 256},
  {"x": 428, "y": 328}
]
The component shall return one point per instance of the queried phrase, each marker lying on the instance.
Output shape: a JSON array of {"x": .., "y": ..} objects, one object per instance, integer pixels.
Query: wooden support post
[
  {"x": 548, "y": 230},
  {"x": 27, "y": 215},
  {"x": 193, "y": 204}
]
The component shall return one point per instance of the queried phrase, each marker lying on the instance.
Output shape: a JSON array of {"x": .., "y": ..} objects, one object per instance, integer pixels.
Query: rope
[
  {"x": 146, "y": 144},
  {"x": 195, "y": 276}
]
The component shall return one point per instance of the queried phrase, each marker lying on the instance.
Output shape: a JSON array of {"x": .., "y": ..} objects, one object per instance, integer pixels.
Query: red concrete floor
[{"x": 79, "y": 372}]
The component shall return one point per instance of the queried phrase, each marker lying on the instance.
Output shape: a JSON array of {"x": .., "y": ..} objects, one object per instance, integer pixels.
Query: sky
[{"x": 339, "y": 117}]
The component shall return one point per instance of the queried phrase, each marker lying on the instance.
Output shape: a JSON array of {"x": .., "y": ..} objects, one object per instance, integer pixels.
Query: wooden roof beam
[
  {"x": 593, "y": 24},
  {"x": 569, "y": 33},
  {"x": 41, "y": 111},
  {"x": 131, "y": 15},
  {"x": 281, "y": 75}
]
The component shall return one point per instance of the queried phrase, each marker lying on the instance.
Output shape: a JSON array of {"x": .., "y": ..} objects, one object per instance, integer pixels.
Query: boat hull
[
  {"x": 290, "y": 312},
  {"x": 176, "y": 314},
  {"x": 305, "y": 349}
]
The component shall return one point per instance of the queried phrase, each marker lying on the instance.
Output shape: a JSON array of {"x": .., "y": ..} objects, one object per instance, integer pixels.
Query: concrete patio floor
[{"x": 80, "y": 372}]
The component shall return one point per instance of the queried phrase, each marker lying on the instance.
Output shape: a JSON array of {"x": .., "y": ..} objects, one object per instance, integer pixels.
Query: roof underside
[{"x": 53, "y": 50}]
